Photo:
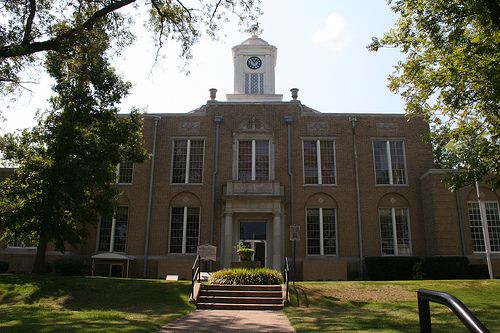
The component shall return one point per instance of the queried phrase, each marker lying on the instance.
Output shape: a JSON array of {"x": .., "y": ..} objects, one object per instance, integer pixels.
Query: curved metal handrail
[
  {"x": 459, "y": 309},
  {"x": 286, "y": 269}
]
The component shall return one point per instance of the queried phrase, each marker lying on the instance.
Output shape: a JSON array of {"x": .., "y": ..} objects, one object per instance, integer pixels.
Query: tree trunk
[{"x": 40, "y": 266}]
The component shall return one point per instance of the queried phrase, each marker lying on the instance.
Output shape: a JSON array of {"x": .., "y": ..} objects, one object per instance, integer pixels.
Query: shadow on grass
[
  {"x": 47, "y": 303},
  {"x": 310, "y": 311}
]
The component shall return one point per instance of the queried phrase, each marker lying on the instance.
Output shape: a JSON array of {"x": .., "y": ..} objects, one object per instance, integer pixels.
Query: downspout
[
  {"x": 288, "y": 122},
  {"x": 460, "y": 220},
  {"x": 353, "y": 121},
  {"x": 150, "y": 197},
  {"x": 217, "y": 121}
]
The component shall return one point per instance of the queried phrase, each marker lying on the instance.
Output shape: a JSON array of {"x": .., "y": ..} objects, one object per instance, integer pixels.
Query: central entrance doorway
[{"x": 253, "y": 235}]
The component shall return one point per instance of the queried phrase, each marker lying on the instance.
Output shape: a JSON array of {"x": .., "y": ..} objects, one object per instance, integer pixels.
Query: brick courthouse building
[{"x": 247, "y": 168}]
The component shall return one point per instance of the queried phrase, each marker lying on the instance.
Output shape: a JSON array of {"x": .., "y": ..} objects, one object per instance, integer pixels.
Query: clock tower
[{"x": 254, "y": 62}]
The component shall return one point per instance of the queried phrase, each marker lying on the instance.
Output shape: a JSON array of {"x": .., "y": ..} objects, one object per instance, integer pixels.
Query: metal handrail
[
  {"x": 195, "y": 273},
  {"x": 461, "y": 311},
  {"x": 286, "y": 269}
]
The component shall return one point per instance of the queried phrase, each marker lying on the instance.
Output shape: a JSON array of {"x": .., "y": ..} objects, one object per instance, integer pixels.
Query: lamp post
[{"x": 486, "y": 235}]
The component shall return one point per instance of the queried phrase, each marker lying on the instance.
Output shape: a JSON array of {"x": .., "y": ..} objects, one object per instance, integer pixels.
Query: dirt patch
[{"x": 383, "y": 293}]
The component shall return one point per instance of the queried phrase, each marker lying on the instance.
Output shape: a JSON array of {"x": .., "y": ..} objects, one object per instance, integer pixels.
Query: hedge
[
  {"x": 247, "y": 276},
  {"x": 69, "y": 266},
  {"x": 4, "y": 267},
  {"x": 444, "y": 268},
  {"x": 390, "y": 268}
]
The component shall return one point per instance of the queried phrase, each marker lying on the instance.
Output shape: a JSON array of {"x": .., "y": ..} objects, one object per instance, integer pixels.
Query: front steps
[{"x": 240, "y": 297}]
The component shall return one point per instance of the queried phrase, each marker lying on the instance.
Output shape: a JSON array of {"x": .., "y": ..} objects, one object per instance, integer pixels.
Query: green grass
[
  {"x": 45, "y": 303},
  {"x": 387, "y": 306}
]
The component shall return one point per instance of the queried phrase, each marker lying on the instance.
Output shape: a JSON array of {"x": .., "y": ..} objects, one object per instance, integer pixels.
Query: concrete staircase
[{"x": 240, "y": 297}]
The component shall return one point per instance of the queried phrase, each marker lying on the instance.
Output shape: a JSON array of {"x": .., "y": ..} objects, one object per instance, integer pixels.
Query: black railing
[
  {"x": 195, "y": 274},
  {"x": 286, "y": 269},
  {"x": 461, "y": 311}
]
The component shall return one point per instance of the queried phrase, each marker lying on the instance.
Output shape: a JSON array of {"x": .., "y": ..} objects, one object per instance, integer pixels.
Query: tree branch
[
  {"x": 215, "y": 10},
  {"x": 29, "y": 22},
  {"x": 55, "y": 43}
]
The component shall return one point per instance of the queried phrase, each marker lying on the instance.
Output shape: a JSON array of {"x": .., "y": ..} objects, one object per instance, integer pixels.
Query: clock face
[{"x": 254, "y": 62}]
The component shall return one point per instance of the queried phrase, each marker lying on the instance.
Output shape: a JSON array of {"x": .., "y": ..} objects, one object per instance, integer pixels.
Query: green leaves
[{"x": 451, "y": 77}]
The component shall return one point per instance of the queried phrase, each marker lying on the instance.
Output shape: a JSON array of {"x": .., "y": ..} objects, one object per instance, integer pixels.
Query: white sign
[
  {"x": 207, "y": 252},
  {"x": 294, "y": 232}
]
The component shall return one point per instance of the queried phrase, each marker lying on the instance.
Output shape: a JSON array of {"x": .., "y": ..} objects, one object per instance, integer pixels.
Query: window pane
[
  {"x": 176, "y": 222},
  {"x": 381, "y": 166},
  {"x": 196, "y": 161},
  {"x": 105, "y": 233},
  {"x": 247, "y": 83},
  {"x": 329, "y": 237},
  {"x": 310, "y": 163},
  {"x": 475, "y": 227},
  {"x": 398, "y": 162},
  {"x": 193, "y": 226},
  {"x": 125, "y": 170},
  {"x": 493, "y": 219},
  {"x": 179, "y": 163},
  {"x": 327, "y": 162},
  {"x": 245, "y": 160},
  {"x": 402, "y": 231},
  {"x": 261, "y": 160},
  {"x": 386, "y": 231},
  {"x": 313, "y": 236},
  {"x": 120, "y": 243}
]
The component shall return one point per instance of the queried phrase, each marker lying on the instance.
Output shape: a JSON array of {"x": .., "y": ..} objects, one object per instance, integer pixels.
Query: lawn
[
  {"x": 387, "y": 306},
  {"x": 45, "y": 303}
]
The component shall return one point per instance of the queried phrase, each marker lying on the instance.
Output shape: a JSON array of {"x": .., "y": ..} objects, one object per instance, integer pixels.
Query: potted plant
[{"x": 245, "y": 253}]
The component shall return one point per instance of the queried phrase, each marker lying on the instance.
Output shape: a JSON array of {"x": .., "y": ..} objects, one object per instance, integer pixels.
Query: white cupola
[{"x": 254, "y": 62}]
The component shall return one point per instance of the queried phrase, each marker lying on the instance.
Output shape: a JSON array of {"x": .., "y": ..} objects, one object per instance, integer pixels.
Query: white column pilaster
[
  {"x": 228, "y": 239},
  {"x": 277, "y": 241}
]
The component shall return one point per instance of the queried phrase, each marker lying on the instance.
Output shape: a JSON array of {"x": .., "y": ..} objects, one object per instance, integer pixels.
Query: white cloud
[{"x": 333, "y": 34}]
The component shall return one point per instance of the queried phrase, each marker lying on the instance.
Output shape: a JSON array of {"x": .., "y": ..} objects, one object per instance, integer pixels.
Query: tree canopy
[
  {"x": 451, "y": 77},
  {"x": 32, "y": 27},
  {"x": 66, "y": 165}
]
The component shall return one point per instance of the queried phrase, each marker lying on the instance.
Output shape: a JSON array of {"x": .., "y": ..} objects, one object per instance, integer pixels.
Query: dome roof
[{"x": 254, "y": 40}]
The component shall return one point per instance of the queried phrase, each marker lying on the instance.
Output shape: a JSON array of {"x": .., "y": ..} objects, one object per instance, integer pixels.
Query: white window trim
[
  {"x": 389, "y": 161},
  {"x": 483, "y": 207},
  {"x": 184, "y": 230},
  {"x": 118, "y": 175},
  {"x": 394, "y": 232},
  {"x": 254, "y": 172},
  {"x": 113, "y": 227},
  {"x": 318, "y": 157},
  {"x": 188, "y": 157},
  {"x": 321, "y": 236}
]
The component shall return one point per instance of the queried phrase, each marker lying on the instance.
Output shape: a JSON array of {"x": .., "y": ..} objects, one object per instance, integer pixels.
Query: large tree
[
  {"x": 451, "y": 77},
  {"x": 66, "y": 165},
  {"x": 32, "y": 27}
]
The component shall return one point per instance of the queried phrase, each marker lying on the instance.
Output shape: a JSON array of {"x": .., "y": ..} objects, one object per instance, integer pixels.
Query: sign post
[
  {"x": 294, "y": 236},
  {"x": 207, "y": 252}
]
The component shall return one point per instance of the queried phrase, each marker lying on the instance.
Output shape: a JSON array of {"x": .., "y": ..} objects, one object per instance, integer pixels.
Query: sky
[{"x": 321, "y": 51}]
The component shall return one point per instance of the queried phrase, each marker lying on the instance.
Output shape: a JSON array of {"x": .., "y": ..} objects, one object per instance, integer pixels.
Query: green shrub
[
  {"x": 246, "y": 276},
  {"x": 390, "y": 268},
  {"x": 477, "y": 271},
  {"x": 69, "y": 266},
  {"x": 4, "y": 267},
  {"x": 444, "y": 268}
]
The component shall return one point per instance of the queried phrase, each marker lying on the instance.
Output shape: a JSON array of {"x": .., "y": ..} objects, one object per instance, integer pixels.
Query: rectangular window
[
  {"x": 113, "y": 231},
  {"x": 492, "y": 220},
  {"x": 125, "y": 171},
  {"x": 253, "y": 160},
  {"x": 187, "y": 166},
  {"x": 394, "y": 231},
  {"x": 319, "y": 161},
  {"x": 254, "y": 83},
  {"x": 390, "y": 165},
  {"x": 184, "y": 229},
  {"x": 321, "y": 231}
]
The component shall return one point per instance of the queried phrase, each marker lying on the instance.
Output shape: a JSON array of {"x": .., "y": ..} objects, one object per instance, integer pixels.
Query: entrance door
[{"x": 253, "y": 235}]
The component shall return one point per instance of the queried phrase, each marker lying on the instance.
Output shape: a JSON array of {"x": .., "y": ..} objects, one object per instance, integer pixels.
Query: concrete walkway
[{"x": 230, "y": 321}]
